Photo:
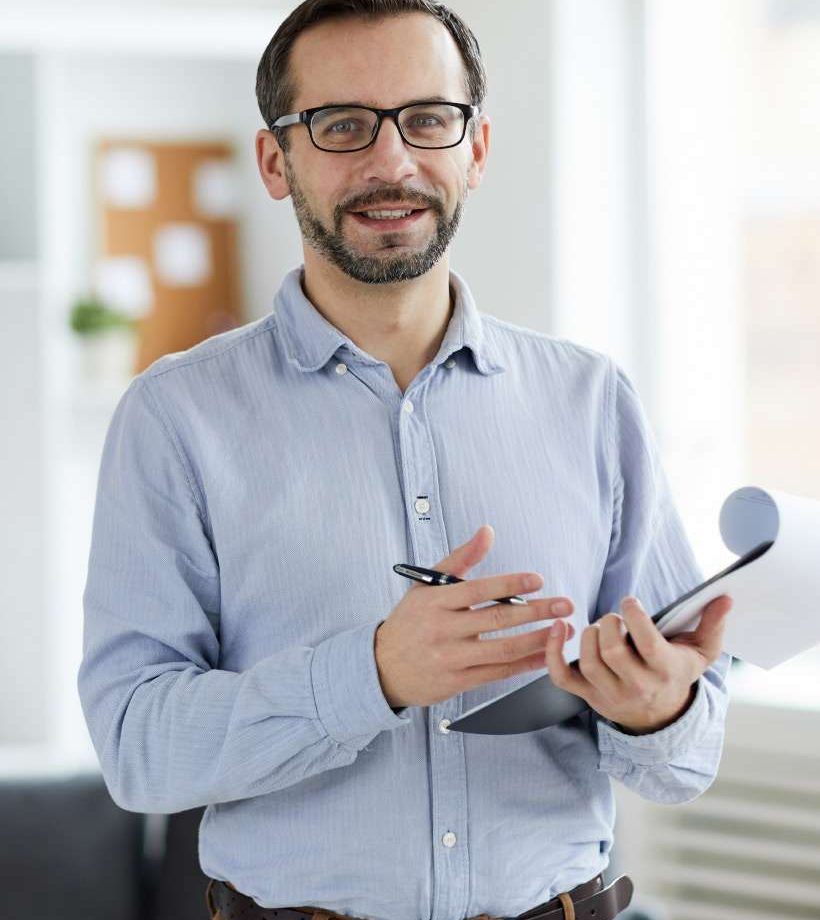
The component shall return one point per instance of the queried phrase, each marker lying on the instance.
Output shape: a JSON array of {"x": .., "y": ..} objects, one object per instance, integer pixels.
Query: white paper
[
  {"x": 128, "y": 177},
  {"x": 215, "y": 188},
  {"x": 182, "y": 254},
  {"x": 124, "y": 283},
  {"x": 775, "y": 613}
]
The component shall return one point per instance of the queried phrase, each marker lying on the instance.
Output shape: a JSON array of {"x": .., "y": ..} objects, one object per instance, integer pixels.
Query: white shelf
[
  {"x": 791, "y": 685},
  {"x": 16, "y": 274},
  {"x": 40, "y": 760},
  {"x": 203, "y": 32}
]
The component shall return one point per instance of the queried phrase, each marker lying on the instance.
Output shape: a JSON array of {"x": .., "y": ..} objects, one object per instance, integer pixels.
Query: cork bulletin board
[{"x": 167, "y": 240}]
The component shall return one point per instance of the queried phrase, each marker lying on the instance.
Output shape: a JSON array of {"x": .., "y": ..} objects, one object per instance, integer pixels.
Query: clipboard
[{"x": 778, "y": 538}]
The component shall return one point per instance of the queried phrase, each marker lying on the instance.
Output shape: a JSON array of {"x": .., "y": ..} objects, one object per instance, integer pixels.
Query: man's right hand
[{"x": 429, "y": 648}]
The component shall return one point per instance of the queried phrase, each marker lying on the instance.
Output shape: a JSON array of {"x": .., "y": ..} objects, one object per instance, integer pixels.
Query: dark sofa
[{"x": 67, "y": 852}]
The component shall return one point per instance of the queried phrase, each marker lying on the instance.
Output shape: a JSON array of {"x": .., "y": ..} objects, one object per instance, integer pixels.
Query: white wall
[
  {"x": 24, "y": 701},
  {"x": 503, "y": 246}
]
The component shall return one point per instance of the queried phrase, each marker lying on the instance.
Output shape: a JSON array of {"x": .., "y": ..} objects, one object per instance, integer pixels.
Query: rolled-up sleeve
[
  {"x": 650, "y": 557},
  {"x": 171, "y": 729}
]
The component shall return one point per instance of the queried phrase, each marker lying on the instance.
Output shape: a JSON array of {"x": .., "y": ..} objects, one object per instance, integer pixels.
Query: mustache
[{"x": 377, "y": 196}]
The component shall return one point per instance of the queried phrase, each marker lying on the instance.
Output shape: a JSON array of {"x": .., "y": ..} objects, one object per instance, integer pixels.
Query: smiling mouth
[{"x": 389, "y": 222}]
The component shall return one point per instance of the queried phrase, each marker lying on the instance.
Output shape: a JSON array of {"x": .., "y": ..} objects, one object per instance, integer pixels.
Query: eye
[
  {"x": 426, "y": 121},
  {"x": 341, "y": 126}
]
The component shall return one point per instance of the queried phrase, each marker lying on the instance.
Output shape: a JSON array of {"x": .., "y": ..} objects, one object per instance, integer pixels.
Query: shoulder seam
[
  {"x": 171, "y": 434},
  {"x": 611, "y": 409},
  {"x": 543, "y": 336},
  {"x": 521, "y": 330},
  {"x": 615, "y": 475},
  {"x": 266, "y": 324}
]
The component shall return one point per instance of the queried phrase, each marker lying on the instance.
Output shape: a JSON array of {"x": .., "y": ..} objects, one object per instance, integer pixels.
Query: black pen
[{"x": 432, "y": 577}]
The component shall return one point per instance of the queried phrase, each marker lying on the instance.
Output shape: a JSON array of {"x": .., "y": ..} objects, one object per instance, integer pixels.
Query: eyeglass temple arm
[{"x": 284, "y": 120}]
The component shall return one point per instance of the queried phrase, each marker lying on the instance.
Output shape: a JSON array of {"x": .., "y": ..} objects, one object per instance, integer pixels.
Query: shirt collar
[{"x": 310, "y": 340}]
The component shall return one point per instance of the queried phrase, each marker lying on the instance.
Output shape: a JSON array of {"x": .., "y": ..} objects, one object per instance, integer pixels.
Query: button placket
[{"x": 447, "y": 754}]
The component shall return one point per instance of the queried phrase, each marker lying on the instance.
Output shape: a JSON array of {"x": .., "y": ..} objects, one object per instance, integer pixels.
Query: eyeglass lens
[{"x": 349, "y": 127}]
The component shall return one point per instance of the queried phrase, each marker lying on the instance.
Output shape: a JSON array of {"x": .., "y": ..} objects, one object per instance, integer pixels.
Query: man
[{"x": 247, "y": 645}]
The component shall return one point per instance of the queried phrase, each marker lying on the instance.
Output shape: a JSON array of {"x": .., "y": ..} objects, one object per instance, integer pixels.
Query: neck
[{"x": 402, "y": 324}]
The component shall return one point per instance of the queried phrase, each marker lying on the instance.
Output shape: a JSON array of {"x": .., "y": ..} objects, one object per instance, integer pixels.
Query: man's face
[{"x": 385, "y": 63}]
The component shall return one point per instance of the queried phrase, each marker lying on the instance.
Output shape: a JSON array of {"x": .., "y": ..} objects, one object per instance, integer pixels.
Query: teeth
[{"x": 387, "y": 215}]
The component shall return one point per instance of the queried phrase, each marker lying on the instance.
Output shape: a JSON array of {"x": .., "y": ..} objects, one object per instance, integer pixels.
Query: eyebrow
[{"x": 325, "y": 105}]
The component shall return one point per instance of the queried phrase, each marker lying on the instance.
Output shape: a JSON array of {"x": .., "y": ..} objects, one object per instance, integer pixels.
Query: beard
[{"x": 389, "y": 269}]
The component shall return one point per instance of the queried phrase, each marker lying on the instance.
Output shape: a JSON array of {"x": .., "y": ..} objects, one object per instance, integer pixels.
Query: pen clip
[{"x": 409, "y": 572}]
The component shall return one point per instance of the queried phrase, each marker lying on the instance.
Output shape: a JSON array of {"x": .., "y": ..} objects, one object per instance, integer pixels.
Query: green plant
[{"x": 90, "y": 316}]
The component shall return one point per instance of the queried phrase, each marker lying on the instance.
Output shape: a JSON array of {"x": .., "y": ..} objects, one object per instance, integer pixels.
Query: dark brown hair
[{"x": 275, "y": 88}]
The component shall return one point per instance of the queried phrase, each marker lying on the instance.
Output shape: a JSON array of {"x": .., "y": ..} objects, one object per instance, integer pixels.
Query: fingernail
[{"x": 560, "y": 608}]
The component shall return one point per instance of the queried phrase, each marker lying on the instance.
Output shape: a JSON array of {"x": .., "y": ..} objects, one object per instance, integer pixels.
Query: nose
[{"x": 389, "y": 158}]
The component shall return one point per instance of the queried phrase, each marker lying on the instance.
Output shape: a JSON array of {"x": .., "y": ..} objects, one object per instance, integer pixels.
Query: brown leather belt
[{"x": 588, "y": 901}]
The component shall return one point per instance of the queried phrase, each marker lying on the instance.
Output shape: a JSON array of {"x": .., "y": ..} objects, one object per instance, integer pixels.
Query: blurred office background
[{"x": 652, "y": 192}]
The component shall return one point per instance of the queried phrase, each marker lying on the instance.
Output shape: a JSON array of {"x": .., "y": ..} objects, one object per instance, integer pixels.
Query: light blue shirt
[{"x": 254, "y": 493}]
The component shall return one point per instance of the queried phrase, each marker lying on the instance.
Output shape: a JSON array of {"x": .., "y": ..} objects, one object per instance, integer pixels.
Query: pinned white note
[
  {"x": 182, "y": 254},
  {"x": 215, "y": 188},
  {"x": 128, "y": 177},
  {"x": 124, "y": 283}
]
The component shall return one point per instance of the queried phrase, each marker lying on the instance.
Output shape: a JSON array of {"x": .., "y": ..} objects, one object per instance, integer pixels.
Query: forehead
[{"x": 382, "y": 62}]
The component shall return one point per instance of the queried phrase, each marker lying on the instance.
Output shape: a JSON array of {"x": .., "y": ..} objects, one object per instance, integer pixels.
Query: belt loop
[
  {"x": 569, "y": 907},
  {"x": 209, "y": 899}
]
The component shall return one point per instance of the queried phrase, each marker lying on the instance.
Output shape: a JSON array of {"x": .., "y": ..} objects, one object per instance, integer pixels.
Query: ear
[
  {"x": 480, "y": 147},
  {"x": 271, "y": 162}
]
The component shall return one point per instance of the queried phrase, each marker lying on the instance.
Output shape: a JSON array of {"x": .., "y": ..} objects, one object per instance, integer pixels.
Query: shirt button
[
  {"x": 449, "y": 839},
  {"x": 450, "y": 362},
  {"x": 442, "y": 726},
  {"x": 422, "y": 505},
  {"x": 341, "y": 368},
  {"x": 408, "y": 406}
]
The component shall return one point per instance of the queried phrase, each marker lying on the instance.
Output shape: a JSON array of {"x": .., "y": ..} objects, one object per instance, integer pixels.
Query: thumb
[
  {"x": 464, "y": 557},
  {"x": 709, "y": 634}
]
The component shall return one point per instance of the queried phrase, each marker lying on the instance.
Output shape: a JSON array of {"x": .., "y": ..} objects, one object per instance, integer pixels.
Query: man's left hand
[{"x": 644, "y": 690}]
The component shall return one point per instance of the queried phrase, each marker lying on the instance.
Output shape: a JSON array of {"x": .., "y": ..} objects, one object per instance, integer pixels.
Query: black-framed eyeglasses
[{"x": 345, "y": 128}]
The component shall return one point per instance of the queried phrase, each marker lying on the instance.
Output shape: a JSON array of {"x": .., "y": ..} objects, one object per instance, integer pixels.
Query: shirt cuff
[
  {"x": 663, "y": 746},
  {"x": 349, "y": 698}
]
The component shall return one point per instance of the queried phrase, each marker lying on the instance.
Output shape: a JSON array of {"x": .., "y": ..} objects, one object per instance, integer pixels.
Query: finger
[
  {"x": 652, "y": 646},
  {"x": 502, "y": 616},
  {"x": 506, "y": 648},
  {"x": 469, "y": 554},
  {"x": 480, "y": 590},
  {"x": 618, "y": 655},
  {"x": 593, "y": 667},
  {"x": 708, "y": 637},
  {"x": 561, "y": 674},
  {"x": 485, "y": 673}
]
